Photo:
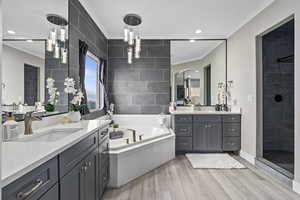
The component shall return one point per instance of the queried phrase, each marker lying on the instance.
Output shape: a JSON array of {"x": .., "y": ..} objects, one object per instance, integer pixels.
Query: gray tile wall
[
  {"x": 82, "y": 27},
  {"x": 142, "y": 87}
]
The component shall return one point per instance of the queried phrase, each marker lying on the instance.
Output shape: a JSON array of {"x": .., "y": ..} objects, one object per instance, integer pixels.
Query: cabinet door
[
  {"x": 71, "y": 185},
  {"x": 52, "y": 194},
  {"x": 90, "y": 179},
  {"x": 199, "y": 137},
  {"x": 213, "y": 135}
]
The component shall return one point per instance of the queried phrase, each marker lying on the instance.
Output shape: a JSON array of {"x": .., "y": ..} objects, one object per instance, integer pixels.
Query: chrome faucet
[
  {"x": 28, "y": 122},
  {"x": 133, "y": 134}
]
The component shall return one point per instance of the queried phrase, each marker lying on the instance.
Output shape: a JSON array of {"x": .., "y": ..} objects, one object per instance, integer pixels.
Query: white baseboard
[
  {"x": 248, "y": 157},
  {"x": 296, "y": 187}
]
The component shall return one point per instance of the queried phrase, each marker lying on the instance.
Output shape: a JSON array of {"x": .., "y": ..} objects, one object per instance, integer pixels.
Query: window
[{"x": 93, "y": 86}]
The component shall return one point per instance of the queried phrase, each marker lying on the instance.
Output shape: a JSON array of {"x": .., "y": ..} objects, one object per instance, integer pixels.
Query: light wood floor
[{"x": 177, "y": 180}]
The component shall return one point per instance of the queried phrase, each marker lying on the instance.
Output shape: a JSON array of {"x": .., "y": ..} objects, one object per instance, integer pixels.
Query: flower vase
[{"x": 75, "y": 116}]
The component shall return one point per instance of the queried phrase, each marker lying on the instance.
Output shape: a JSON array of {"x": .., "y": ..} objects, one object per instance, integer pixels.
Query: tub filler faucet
[{"x": 133, "y": 134}]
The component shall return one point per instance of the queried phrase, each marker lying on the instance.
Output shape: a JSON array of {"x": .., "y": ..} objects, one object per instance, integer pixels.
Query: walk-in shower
[{"x": 277, "y": 89}]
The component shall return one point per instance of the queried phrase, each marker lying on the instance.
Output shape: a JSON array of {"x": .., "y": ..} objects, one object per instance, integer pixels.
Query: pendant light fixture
[
  {"x": 56, "y": 42},
  {"x": 132, "y": 36}
]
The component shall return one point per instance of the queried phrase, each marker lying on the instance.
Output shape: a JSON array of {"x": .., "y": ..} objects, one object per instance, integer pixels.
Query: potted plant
[
  {"x": 53, "y": 95},
  {"x": 75, "y": 104}
]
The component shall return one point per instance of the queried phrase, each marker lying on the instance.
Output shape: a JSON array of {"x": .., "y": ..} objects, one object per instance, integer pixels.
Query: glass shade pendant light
[
  {"x": 63, "y": 34},
  {"x": 64, "y": 56},
  {"x": 56, "y": 41},
  {"x": 130, "y": 36},
  {"x": 49, "y": 45},
  {"x": 130, "y": 52},
  {"x": 126, "y": 34},
  {"x": 56, "y": 51},
  {"x": 53, "y": 36}
]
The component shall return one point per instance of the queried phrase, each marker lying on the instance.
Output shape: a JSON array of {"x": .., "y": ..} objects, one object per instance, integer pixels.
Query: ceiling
[
  {"x": 175, "y": 18},
  {"x": 184, "y": 51},
  {"x": 28, "y": 19}
]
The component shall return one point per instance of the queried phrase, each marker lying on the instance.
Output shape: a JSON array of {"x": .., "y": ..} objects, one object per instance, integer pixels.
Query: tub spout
[{"x": 133, "y": 134}]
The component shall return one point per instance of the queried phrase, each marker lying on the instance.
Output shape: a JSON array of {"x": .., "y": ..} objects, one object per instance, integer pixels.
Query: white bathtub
[{"x": 127, "y": 161}]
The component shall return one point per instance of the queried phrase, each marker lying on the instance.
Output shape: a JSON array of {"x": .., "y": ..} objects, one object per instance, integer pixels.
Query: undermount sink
[{"x": 50, "y": 135}]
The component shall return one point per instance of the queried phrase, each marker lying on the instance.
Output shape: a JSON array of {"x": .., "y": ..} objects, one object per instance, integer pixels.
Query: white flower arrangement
[
  {"x": 52, "y": 91},
  {"x": 77, "y": 94}
]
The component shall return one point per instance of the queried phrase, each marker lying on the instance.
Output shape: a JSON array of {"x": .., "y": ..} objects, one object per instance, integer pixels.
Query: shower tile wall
[
  {"x": 144, "y": 86},
  {"x": 278, "y": 80}
]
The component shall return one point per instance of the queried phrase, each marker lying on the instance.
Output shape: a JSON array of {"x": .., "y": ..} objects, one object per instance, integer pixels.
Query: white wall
[
  {"x": 13, "y": 61},
  {"x": 242, "y": 69},
  {"x": 218, "y": 70}
]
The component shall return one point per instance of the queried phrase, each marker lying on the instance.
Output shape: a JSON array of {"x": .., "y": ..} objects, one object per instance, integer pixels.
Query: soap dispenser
[{"x": 11, "y": 129}]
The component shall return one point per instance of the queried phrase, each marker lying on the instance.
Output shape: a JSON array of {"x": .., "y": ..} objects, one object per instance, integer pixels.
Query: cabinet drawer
[
  {"x": 232, "y": 118},
  {"x": 231, "y": 129},
  {"x": 206, "y": 118},
  {"x": 183, "y": 129},
  {"x": 72, "y": 156},
  {"x": 184, "y": 144},
  {"x": 187, "y": 119},
  {"x": 231, "y": 143},
  {"x": 34, "y": 184}
]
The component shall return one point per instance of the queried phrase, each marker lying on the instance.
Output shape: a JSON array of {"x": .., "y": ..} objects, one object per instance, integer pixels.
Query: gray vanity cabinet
[
  {"x": 75, "y": 174},
  {"x": 81, "y": 182},
  {"x": 184, "y": 132},
  {"x": 36, "y": 185},
  {"x": 207, "y": 133}
]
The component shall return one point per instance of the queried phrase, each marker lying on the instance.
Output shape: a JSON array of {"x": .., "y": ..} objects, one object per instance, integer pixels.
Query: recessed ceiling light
[
  {"x": 192, "y": 40},
  {"x": 196, "y": 71},
  {"x": 11, "y": 32},
  {"x": 29, "y": 40},
  {"x": 198, "y": 31}
]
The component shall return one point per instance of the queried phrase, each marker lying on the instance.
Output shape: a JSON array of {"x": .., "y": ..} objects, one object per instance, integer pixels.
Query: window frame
[{"x": 99, "y": 92}]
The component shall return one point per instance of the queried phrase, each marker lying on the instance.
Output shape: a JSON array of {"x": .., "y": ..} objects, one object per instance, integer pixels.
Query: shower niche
[{"x": 278, "y": 98}]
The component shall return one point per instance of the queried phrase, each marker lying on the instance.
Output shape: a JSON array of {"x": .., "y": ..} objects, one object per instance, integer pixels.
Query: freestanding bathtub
[{"x": 129, "y": 159}]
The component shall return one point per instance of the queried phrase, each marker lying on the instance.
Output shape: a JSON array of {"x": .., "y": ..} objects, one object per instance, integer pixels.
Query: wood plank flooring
[{"x": 177, "y": 180}]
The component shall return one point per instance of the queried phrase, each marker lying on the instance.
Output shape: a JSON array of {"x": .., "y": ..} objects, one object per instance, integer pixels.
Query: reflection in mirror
[
  {"x": 35, "y": 49},
  {"x": 197, "y": 69}
]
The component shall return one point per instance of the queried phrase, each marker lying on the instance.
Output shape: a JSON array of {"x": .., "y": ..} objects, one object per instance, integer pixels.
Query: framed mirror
[
  {"x": 198, "y": 68},
  {"x": 35, "y": 57}
]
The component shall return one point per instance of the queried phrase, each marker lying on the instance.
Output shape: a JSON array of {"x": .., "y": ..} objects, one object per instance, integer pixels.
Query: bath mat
[{"x": 213, "y": 161}]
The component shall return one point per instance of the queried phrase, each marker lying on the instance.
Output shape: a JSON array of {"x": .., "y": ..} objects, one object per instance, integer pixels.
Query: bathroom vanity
[
  {"x": 73, "y": 167},
  {"x": 200, "y": 131}
]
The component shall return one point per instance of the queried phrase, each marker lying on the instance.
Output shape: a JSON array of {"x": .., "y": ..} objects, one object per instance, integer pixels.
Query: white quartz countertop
[
  {"x": 196, "y": 112},
  {"x": 19, "y": 158}
]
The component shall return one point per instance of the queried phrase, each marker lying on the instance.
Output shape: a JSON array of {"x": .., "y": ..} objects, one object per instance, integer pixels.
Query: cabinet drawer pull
[
  {"x": 232, "y": 129},
  {"x": 183, "y": 129},
  {"x": 38, "y": 184}
]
